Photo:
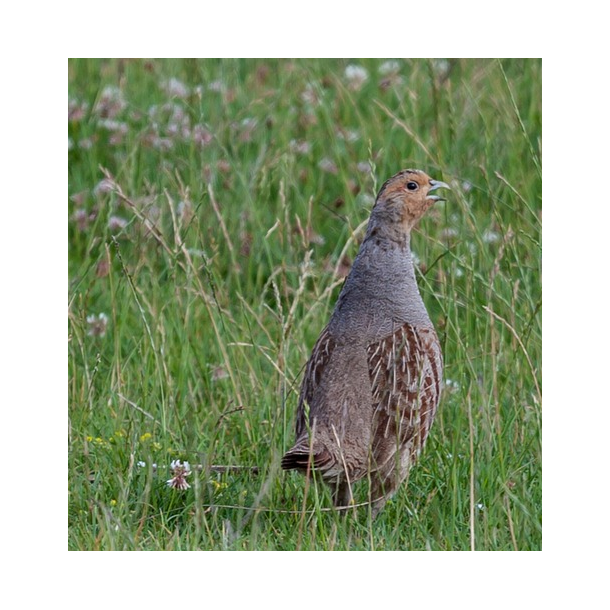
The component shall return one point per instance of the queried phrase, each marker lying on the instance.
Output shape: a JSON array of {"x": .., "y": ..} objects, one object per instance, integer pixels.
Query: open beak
[{"x": 437, "y": 184}]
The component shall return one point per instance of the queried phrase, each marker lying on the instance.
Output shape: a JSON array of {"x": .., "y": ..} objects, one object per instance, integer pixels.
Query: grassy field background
[{"x": 215, "y": 207}]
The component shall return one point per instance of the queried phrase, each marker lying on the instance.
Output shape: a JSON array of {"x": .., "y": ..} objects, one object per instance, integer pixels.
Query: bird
[{"x": 372, "y": 384}]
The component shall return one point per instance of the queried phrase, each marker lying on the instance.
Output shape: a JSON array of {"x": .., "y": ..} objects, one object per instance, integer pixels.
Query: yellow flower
[{"x": 145, "y": 437}]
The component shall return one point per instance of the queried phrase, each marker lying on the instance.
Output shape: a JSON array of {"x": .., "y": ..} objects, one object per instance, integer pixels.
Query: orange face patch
[{"x": 397, "y": 184}]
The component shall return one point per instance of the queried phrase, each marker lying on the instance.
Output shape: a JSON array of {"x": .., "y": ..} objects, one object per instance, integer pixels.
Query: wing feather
[
  {"x": 314, "y": 370},
  {"x": 405, "y": 369}
]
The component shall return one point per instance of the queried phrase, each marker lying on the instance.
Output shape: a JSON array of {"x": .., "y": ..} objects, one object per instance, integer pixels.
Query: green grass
[{"x": 236, "y": 199}]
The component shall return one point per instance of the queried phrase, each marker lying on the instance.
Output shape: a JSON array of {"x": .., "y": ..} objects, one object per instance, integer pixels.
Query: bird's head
[{"x": 406, "y": 196}]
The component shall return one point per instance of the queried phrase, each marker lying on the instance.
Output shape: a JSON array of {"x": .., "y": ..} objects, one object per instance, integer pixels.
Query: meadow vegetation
[{"x": 215, "y": 207}]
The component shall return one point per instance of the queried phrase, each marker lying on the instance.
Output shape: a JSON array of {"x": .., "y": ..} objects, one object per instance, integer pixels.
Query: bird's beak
[{"x": 437, "y": 184}]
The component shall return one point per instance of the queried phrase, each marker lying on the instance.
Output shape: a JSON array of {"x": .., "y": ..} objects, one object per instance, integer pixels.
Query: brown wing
[
  {"x": 318, "y": 360},
  {"x": 405, "y": 370}
]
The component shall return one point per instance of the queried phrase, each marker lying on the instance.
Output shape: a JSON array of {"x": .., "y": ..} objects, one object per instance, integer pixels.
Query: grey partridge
[{"x": 373, "y": 381}]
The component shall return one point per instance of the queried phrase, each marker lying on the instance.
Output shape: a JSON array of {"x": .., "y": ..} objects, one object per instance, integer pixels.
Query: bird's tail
[{"x": 306, "y": 456}]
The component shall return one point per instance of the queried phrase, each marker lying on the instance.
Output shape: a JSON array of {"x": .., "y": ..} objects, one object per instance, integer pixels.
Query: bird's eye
[{"x": 412, "y": 186}]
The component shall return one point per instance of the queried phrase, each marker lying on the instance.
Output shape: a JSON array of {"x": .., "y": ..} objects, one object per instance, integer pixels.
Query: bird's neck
[
  {"x": 388, "y": 226},
  {"x": 381, "y": 290}
]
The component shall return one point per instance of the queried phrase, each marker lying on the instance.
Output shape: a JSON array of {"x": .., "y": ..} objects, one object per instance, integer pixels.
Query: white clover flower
[
  {"x": 103, "y": 186},
  {"x": 327, "y": 165},
  {"x": 310, "y": 95},
  {"x": 217, "y": 85},
  {"x": 76, "y": 110},
  {"x": 349, "y": 135},
  {"x": 441, "y": 67},
  {"x": 113, "y": 125},
  {"x": 301, "y": 147},
  {"x": 97, "y": 325},
  {"x": 162, "y": 143},
  {"x": 116, "y": 223},
  {"x": 356, "y": 75},
  {"x": 200, "y": 135},
  {"x": 110, "y": 102},
  {"x": 85, "y": 143},
  {"x": 180, "y": 470},
  {"x": 389, "y": 67},
  {"x": 449, "y": 234},
  {"x": 82, "y": 218},
  {"x": 490, "y": 237},
  {"x": 175, "y": 88}
]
